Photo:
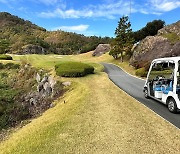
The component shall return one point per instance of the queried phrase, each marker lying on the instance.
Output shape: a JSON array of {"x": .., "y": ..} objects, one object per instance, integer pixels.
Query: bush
[
  {"x": 11, "y": 66},
  {"x": 141, "y": 72},
  {"x": 1, "y": 66},
  {"x": 73, "y": 69},
  {"x": 5, "y": 57}
]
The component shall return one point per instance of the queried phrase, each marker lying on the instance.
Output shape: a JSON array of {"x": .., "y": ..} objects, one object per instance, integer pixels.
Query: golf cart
[{"x": 163, "y": 82}]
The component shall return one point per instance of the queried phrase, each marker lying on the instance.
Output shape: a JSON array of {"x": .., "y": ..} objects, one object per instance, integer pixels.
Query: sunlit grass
[{"x": 97, "y": 117}]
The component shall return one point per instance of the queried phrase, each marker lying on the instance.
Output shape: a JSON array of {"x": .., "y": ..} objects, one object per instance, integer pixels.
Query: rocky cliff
[{"x": 165, "y": 44}]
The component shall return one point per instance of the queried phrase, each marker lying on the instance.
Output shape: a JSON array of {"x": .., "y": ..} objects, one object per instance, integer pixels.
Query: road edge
[
  {"x": 136, "y": 99},
  {"x": 127, "y": 72}
]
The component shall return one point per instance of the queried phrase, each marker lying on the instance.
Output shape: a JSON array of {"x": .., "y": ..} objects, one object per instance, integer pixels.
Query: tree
[
  {"x": 124, "y": 40},
  {"x": 150, "y": 29}
]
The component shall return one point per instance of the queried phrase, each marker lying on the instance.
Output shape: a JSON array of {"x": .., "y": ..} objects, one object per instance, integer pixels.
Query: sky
[{"x": 92, "y": 17}]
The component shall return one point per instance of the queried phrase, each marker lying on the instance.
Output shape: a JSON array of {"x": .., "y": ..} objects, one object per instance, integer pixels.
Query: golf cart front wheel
[
  {"x": 146, "y": 93},
  {"x": 172, "y": 107}
]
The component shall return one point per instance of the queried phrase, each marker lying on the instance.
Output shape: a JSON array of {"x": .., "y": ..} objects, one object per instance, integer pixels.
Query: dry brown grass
[{"x": 97, "y": 118}]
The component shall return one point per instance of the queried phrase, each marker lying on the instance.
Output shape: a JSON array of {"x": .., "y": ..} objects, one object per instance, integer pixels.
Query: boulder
[
  {"x": 45, "y": 86},
  {"x": 158, "y": 46},
  {"x": 101, "y": 49},
  {"x": 32, "y": 49}
]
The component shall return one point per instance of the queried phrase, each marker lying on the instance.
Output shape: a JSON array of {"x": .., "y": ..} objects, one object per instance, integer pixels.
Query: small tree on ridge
[{"x": 124, "y": 39}]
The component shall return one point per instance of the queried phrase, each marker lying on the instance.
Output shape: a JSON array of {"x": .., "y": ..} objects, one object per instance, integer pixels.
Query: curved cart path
[{"x": 134, "y": 87}]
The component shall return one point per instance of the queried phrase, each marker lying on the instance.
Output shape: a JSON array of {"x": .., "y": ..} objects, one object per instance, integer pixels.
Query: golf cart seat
[
  {"x": 159, "y": 88},
  {"x": 169, "y": 88}
]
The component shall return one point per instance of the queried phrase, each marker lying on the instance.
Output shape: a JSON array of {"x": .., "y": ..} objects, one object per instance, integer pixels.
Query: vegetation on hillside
[
  {"x": 150, "y": 29},
  {"x": 15, "y": 33},
  {"x": 172, "y": 37},
  {"x": 19, "y": 99}
]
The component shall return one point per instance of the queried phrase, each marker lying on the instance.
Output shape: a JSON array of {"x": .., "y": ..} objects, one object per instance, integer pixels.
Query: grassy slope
[
  {"x": 48, "y": 61},
  {"x": 97, "y": 118}
]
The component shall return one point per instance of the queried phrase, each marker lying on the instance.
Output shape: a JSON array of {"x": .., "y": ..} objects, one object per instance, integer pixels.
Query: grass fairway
[{"x": 97, "y": 117}]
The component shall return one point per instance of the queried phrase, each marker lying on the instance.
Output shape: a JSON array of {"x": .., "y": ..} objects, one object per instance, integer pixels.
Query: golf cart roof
[{"x": 175, "y": 59}]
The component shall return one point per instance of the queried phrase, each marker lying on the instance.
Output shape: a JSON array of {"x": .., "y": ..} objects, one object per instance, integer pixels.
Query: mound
[{"x": 73, "y": 69}]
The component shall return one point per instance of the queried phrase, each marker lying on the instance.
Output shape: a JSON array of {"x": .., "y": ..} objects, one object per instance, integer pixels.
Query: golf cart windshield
[{"x": 162, "y": 70}]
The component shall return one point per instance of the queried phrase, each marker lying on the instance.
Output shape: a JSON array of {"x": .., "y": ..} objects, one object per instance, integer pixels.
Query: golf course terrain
[{"x": 93, "y": 116}]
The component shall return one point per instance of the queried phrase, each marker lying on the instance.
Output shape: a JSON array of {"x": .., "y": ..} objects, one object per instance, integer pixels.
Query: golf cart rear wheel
[
  {"x": 172, "y": 107},
  {"x": 146, "y": 93}
]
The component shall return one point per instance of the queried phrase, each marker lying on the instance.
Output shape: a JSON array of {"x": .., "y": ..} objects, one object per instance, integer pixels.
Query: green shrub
[
  {"x": 141, "y": 72},
  {"x": 73, "y": 69},
  {"x": 1, "y": 66},
  {"x": 11, "y": 66},
  {"x": 5, "y": 57}
]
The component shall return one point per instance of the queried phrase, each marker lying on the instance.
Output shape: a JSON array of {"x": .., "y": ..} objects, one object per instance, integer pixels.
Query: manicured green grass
[{"x": 73, "y": 69}]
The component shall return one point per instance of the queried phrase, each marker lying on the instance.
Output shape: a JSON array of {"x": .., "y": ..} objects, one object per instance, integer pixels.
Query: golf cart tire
[
  {"x": 146, "y": 93},
  {"x": 172, "y": 106}
]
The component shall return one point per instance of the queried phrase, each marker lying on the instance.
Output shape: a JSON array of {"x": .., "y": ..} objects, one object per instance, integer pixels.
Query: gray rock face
[
  {"x": 46, "y": 85},
  {"x": 101, "y": 49},
  {"x": 32, "y": 49},
  {"x": 158, "y": 46}
]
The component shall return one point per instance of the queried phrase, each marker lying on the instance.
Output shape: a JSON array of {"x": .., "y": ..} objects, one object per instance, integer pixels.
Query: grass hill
[{"x": 21, "y": 36}]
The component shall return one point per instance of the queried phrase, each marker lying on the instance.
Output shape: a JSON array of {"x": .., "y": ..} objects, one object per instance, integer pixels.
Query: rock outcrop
[
  {"x": 45, "y": 85},
  {"x": 32, "y": 49},
  {"x": 165, "y": 44},
  {"x": 101, "y": 49},
  {"x": 42, "y": 90}
]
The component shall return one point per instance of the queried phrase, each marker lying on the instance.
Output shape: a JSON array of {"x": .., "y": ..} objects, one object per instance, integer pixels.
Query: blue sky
[{"x": 92, "y": 17}]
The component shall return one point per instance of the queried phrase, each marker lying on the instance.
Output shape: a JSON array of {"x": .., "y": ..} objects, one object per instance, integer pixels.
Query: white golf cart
[{"x": 163, "y": 82}]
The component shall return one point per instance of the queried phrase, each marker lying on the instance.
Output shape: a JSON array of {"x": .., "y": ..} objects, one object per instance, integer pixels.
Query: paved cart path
[{"x": 134, "y": 87}]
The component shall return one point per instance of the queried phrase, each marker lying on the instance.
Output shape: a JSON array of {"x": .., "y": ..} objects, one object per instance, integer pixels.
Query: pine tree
[{"x": 124, "y": 40}]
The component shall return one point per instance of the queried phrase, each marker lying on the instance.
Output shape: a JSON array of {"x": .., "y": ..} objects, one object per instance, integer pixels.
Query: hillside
[
  {"x": 165, "y": 44},
  {"x": 21, "y": 36}
]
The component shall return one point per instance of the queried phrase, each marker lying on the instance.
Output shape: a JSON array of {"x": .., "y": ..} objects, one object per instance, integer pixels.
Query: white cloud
[
  {"x": 78, "y": 28},
  {"x": 71, "y": 13},
  {"x": 109, "y": 11},
  {"x": 165, "y": 5},
  {"x": 158, "y": 7}
]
